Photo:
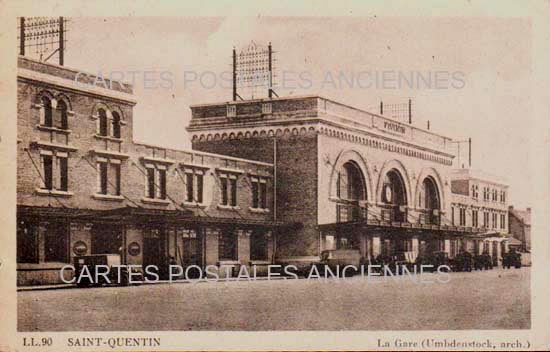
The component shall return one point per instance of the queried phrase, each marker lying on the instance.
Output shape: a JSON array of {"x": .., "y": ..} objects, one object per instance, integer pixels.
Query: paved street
[{"x": 494, "y": 299}]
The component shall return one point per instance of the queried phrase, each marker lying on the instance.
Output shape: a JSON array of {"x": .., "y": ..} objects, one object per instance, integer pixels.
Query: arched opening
[
  {"x": 350, "y": 190},
  {"x": 63, "y": 123},
  {"x": 102, "y": 122},
  {"x": 429, "y": 202},
  {"x": 394, "y": 196},
  {"x": 116, "y": 124},
  {"x": 47, "y": 106}
]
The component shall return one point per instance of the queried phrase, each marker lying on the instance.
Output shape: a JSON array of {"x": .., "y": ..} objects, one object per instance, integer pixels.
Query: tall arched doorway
[
  {"x": 394, "y": 196},
  {"x": 429, "y": 202},
  {"x": 350, "y": 190}
]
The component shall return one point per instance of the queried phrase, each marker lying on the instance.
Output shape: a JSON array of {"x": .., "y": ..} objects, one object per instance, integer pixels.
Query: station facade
[
  {"x": 354, "y": 179},
  {"x": 84, "y": 186},
  {"x": 266, "y": 181}
]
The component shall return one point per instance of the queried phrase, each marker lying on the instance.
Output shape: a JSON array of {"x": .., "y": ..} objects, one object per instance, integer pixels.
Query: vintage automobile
[
  {"x": 483, "y": 261},
  {"x": 87, "y": 273},
  {"x": 434, "y": 260},
  {"x": 337, "y": 259},
  {"x": 511, "y": 259},
  {"x": 464, "y": 261}
]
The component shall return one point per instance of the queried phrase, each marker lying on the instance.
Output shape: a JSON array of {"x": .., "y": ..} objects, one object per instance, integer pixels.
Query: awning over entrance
[
  {"x": 57, "y": 212},
  {"x": 134, "y": 215}
]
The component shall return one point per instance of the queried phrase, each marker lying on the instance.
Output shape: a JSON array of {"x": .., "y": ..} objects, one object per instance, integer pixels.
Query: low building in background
[
  {"x": 520, "y": 227},
  {"x": 480, "y": 201}
]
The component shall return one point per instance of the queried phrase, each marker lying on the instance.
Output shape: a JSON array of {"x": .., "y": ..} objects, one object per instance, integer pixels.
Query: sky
[{"x": 491, "y": 56}]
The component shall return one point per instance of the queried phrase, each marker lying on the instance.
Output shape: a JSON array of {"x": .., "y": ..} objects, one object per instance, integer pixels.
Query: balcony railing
[{"x": 350, "y": 212}]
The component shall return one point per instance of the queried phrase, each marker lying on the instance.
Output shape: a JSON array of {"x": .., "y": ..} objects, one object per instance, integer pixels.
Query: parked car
[
  {"x": 435, "y": 259},
  {"x": 512, "y": 258},
  {"x": 337, "y": 259},
  {"x": 91, "y": 263},
  {"x": 464, "y": 261},
  {"x": 483, "y": 261}
]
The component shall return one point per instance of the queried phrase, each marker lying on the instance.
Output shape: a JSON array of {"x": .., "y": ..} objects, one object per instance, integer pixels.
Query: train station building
[
  {"x": 266, "y": 181},
  {"x": 355, "y": 179}
]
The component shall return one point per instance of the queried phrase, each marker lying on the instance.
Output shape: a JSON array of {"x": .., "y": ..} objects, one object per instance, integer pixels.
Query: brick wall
[{"x": 296, "y": 183}]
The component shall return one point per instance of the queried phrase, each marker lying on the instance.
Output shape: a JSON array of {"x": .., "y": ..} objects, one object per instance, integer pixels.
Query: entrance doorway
[
  {"x": 155, "y": 250},
  {"x": 106, "y": 239}
]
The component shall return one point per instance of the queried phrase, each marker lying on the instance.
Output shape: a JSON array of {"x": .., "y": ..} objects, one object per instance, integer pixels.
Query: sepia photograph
[{"x": 183, "y": 173}]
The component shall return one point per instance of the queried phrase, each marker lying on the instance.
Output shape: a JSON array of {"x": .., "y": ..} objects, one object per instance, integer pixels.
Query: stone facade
[{"x": 334, "y": 165}]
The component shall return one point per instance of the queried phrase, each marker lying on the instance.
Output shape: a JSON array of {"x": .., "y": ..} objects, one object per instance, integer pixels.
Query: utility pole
[{"x": 61, "y": 42}]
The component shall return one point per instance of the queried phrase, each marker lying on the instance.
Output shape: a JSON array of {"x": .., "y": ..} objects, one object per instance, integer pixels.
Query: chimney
[
  {"x": 528, "y": 209},
  {"x": 510, "y": 207}
]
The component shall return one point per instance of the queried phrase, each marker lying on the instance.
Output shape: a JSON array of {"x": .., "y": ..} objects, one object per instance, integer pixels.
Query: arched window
[
  {"x": 63, "y": 122},
  {"x": 103, "y": 127},
  {"x": 47, "y": 106},
  {"x": 116, "y": 124},
  {"x": 394, "y": 191},
  {"x": 350, "y": 182},
  {"x": 394, "y": 195},
  {"x": 430, "y": 194}
]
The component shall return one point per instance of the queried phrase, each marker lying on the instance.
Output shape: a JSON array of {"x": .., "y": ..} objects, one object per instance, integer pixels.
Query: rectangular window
[
  {"x": 55, "y": 243},
  {"x": 194, "y": 182},
  {"x": 103, "y": 181},
  {"x": 116, "y": 169},
  {"x": 200, "y": 187},
  {"x": 474, "y": 218},
  {"x": 27, "y": 242},
  {"x": 495, "y": 218},
  {"x": 189, "y": 187},
  {"x": 151, "y": 183},
  {"x": 453, "y": 215},
  {"x": 227, "y": 245},
  {"x": 224, "y": 187},
  {"x": 462, "y": 217},
  {"x": 502, "y": 221},
  {"x": 263, "y": 195},
  {"x": 47, "y": 167},
  {"x": 259, "y": 192},
  {"x": 229, "y": 189},
  {"x": 233, "y": 183},
  {"x": 109, "y": 177},
  {"x": 162, "y": 184},
  {"x": 255, "y": 194},
  {"x": 63, "y": 173},
  {"x": 485, "y": 219}
]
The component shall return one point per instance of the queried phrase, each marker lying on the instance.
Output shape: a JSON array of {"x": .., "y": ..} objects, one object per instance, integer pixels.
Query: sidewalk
[{"x": 139, "y": 283}]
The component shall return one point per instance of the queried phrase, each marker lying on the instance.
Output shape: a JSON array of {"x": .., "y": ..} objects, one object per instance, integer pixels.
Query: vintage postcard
[{"x": 242, "y": 176}]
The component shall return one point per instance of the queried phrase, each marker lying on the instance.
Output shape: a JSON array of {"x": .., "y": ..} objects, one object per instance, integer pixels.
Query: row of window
[
  {"x": 56, "y": 243},
  {"x": 490, "y": 219},
  {"x": 489, "y": 194},
  {"x": 108, "y": 123},
  {"x": 55, "y": 172}
]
